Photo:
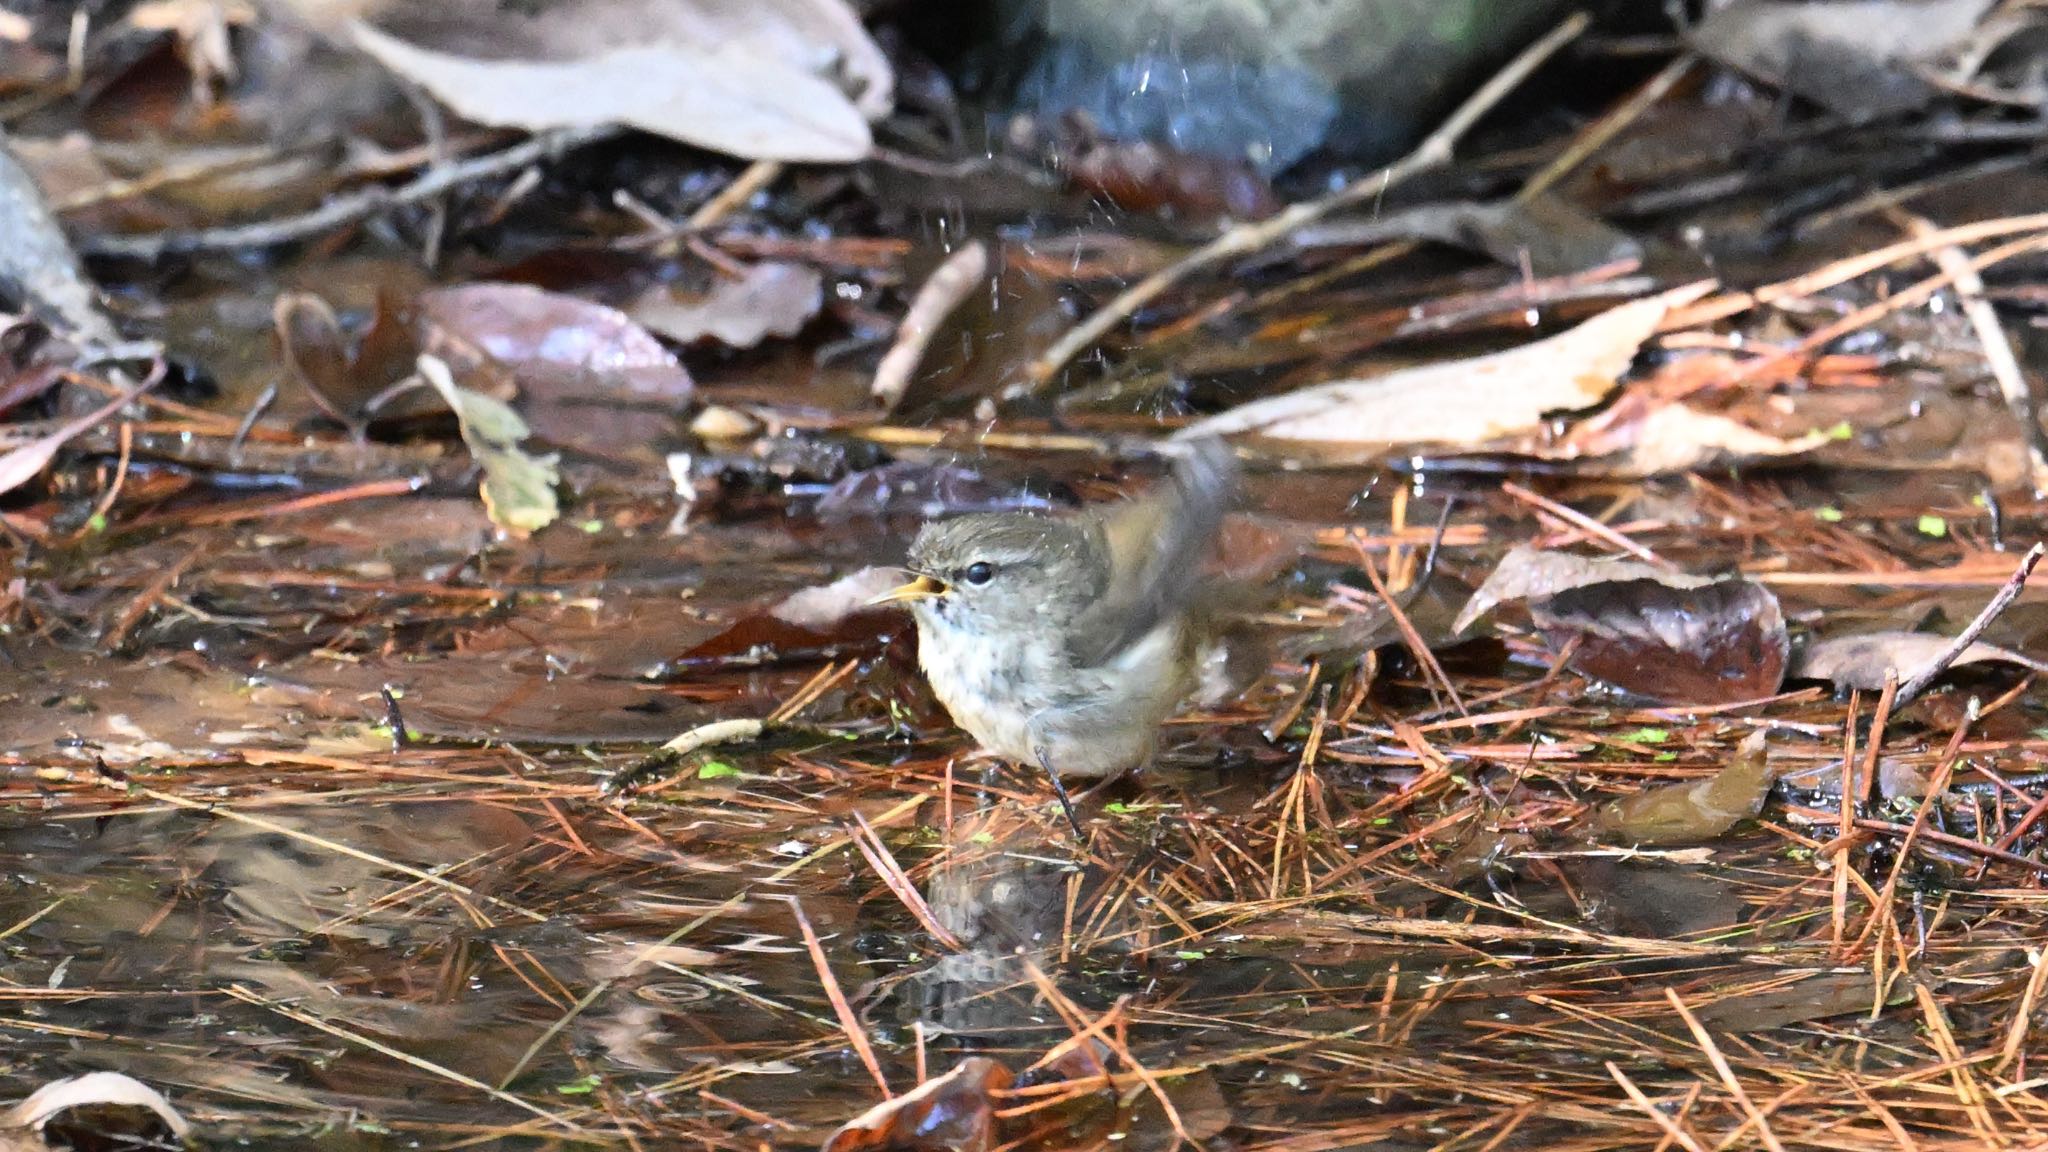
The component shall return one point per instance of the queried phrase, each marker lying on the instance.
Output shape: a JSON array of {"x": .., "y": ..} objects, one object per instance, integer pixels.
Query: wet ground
[
  {"x": 333, "y": 809},
  {"x": 1390, "y": 923}
]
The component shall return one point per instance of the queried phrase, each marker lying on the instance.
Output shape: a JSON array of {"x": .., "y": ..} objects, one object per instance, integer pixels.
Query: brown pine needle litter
[{"x": 342, "y": 818}]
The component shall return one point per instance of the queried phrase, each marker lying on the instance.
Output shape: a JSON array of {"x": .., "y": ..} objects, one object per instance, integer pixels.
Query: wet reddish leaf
[
  {"x": 1645, "y": 435},
  {"x": 1138, "y": 176},
  {"x": 341, "y": 375},
  {"x": 588, "y": 376},
  {"x": 953, "y": 1113},
  {"x": 1712, "y": 644},
  {"x": 823, "y": 623},
  {"x": 531, "y": 329}
]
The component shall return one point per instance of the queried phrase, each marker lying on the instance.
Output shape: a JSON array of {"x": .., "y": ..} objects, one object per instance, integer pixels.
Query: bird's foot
[{"x": 1060, "y": 790}]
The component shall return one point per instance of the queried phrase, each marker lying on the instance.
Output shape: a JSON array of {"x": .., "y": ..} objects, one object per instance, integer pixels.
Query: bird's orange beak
[{"x": 921, "y": 588}]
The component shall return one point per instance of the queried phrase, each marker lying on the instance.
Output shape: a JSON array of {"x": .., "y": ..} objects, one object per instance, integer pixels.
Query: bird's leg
[{"x": 1060, "y": 790}]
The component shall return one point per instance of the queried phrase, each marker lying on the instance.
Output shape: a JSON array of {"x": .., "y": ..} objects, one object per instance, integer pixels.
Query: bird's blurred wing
[{"x": 1155, "y": 545}]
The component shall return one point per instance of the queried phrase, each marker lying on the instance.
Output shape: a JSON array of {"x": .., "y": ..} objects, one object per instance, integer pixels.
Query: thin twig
[
  {"x": 1999, "y": 603},
  {"x": 344, "y": 210},
  {"x": 1433, "y": 152},
  {"x": 249, "y": 996},
  {"x": 1721, "y": 1069},
  {"x": 848, "y": 1022},
  {"x": 1998, "y": 353},
  {"x": 1586, "y": 524},
  {"x": 1649, "y": 1108}
]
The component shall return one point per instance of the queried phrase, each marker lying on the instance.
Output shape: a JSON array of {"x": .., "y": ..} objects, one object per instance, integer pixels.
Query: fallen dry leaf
[
  {"x": 529, "y": 329},
  {"x": 20, "y": 465},
  {"x": 1643, "y": 435},
  {"x": 1697, "y": 810},
  {"x": 953, "y": 1113},
  {"x": 1856, "y": 57},
  {"x": 1463, "y": 402},
  {"x": 118, "y": 1103},
  {"x": 588, "y": 377},
  {"x": 1715, "y": 643},
  {"x": 756, "y": 79},
  {"x": 1531, "y": 573},
  {"x": 1861, "y": 661},
  {"x": 1896, "y": 778},
  {"x": 769, "y": 299},
  {"x": 1548, "y": 235},
  {"x": 518, "y": 489}
]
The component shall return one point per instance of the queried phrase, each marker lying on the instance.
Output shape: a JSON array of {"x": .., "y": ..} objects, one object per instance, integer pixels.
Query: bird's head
[{"x": 1005, "y": 574}]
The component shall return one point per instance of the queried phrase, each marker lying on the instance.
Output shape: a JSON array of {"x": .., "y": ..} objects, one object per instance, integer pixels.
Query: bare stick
[
  {"x": 1992, "y": 611},
  {"x": 848, "y": 1022},
  {"x": 944, "y": 290},
  {"x": 1721, "y": 1069},
  {"x": 1998, "y": 353},
  {"x": 1433, "y": 152},
  {"x": 343, "y": 210}
]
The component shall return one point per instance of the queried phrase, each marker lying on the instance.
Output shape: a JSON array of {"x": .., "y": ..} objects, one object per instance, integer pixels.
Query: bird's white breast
[{"x": 1017, "y": 694}]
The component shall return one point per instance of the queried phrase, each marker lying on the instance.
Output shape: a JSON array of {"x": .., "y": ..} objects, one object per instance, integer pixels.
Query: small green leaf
[
  {"x": 583, "y": 1087},
  {"x": 1644, "y": 736},
  {"x": 1842, "y": 431},
  {"x": 97, "y": 524},
  {"x": 716, "y": 770},
  {"x": 1828, "y": 515},
  {"x": 1666, "y": 757},
  {"x": 593, "y": 527},
  {"x": 1191, "y": 954},
  {"x": 1932, "y": 525},
  {"x": 1116, "y": 808}
]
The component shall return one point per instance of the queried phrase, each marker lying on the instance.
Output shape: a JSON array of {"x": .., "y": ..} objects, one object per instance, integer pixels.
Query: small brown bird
[{"x": 1066, "y": 641}]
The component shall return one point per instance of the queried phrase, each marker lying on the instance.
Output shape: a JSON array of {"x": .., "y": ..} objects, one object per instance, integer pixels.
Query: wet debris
[
  {"x": 1867, "y": 660},
  {"x": 1694, "y": 812}
]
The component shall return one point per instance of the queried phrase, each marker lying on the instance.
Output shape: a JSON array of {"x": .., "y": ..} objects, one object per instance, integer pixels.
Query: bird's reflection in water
[{"x": 1002, "y": 887}]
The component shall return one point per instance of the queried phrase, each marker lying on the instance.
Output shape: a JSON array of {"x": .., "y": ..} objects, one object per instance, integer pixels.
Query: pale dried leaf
[
  {"x": 94, "y": 1089},
  {"x": 768, "y": 299},
  {"x": 1855, "y": 57},
  {"x": 756, "y": 80},
  {"x": 1530, "y": 573},
  {"x": 527, "y": 328},
  {"x": 1463, "y": 402},
  {"x": 1861, "y": 661},
  {"x": 1672, "y": 438},
  {"x": 23, "y": 464},
  {"x": 518, "y": 489}
]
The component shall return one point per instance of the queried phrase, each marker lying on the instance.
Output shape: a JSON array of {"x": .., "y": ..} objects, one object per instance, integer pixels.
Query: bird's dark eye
[{"x": 979, "y": 572}]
